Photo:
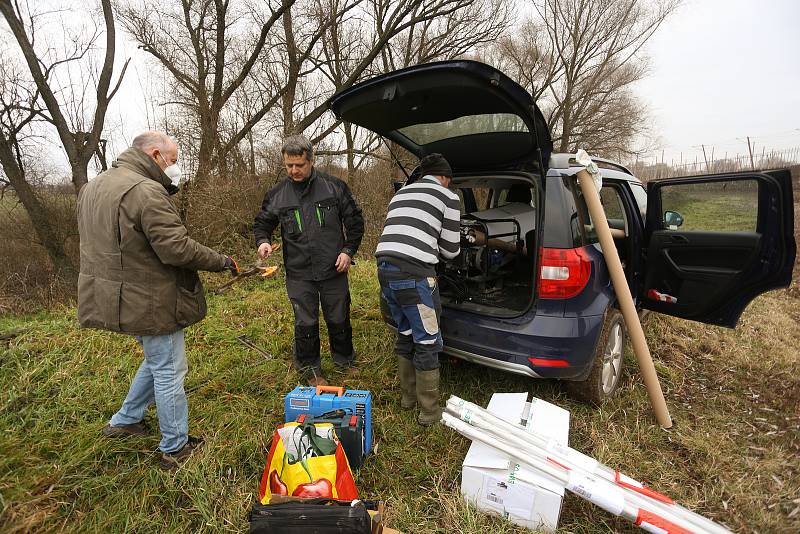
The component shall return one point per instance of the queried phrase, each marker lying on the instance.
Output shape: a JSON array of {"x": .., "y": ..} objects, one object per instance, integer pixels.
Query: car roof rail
[{"x": 562, "y": 160}]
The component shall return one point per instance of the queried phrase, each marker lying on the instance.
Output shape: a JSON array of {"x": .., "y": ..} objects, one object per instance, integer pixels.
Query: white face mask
[{"x": 173, "y": 172}]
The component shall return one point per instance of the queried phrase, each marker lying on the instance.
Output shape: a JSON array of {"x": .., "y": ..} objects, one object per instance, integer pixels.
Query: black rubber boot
[
  {"x": 428, "y": 397},
  {"x": 408, "y": 382}
]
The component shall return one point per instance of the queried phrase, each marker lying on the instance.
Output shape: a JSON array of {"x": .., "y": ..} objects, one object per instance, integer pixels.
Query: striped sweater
[{"x": 422, "y": 224}]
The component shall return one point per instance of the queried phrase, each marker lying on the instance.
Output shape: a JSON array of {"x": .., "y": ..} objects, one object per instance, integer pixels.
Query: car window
[
  {"x": 729, "y": 206},
  {"x": 483, "y": 196},
  {"x": 580, "y": 222},
  {"x": 611, "y": 199},
  {"x": 640, "y": 194},
  {"x": 461, "y": 202},
  {"x": 612, "y": 205},
  {"x": 423, "y": 134},
  {"x": 516, "y": 193},
  {"x": 501, "y": 197}
]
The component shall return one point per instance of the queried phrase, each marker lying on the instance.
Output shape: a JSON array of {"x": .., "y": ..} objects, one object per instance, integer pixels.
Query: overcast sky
[{"x": 722, "y": 70}]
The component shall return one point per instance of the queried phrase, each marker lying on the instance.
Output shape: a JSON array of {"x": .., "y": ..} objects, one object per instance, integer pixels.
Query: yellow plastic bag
[{"x": 307, "y": 460}]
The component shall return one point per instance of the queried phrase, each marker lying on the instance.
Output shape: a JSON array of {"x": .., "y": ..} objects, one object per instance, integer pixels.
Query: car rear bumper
[
  {"x": 487, "y": 361},
  {"x": 568, "y": 342},
  {"x": 507, "y": 344}
]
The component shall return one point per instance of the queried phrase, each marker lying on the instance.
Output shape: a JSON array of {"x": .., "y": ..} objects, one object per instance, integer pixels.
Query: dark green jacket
[{"x": 138, "y": 265}]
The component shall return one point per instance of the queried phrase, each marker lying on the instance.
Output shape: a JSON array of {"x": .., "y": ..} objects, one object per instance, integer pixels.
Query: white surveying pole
[{"x": 579, "y": 473}]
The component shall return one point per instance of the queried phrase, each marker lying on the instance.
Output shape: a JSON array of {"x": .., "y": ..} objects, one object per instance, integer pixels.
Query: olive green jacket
[{"x": 138, "y": 265}]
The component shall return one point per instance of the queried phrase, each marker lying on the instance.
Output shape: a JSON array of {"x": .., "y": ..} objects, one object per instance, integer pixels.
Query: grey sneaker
[
  {"x": 124, "y": 431},
  {"x": 171, "y": 460}
]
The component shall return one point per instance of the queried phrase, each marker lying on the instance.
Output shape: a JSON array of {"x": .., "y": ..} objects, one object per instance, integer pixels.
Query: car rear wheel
[{"x": 608, "y": 357}]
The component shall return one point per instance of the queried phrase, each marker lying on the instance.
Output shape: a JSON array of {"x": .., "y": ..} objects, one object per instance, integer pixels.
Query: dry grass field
[{"x": 733, "y": 454}]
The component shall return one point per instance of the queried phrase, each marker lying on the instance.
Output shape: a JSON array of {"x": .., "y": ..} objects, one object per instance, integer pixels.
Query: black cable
[{"x": 458, "y": 285}]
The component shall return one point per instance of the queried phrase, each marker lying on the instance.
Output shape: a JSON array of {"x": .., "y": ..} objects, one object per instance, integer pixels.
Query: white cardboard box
[{"x": 488, "y": 477}]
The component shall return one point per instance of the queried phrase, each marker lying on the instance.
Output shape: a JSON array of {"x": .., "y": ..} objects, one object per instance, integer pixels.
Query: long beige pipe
[
  {"x": 624, "y": 298},
  {"x": 508, "y": 246}
]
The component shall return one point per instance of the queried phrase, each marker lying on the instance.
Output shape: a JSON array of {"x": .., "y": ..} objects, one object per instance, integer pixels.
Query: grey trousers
[{"x": 306, "y": 297}]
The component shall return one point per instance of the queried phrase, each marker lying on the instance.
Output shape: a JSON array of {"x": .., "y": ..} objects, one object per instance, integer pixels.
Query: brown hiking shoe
[
  {"x": 352, "y": 371},
  {"x": 124, "y": 431},
  {"x": 317, "y": 381},
  {"x": 171, "y": 460}
]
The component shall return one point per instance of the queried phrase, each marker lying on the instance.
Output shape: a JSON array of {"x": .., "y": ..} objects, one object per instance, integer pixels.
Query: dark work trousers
[
  {"x": 306, "y": 297},
  {"x": 416, "y": 309}
]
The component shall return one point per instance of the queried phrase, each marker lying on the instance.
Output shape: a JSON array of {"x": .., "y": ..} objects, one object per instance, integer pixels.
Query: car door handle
[{"x": 679, "y": 239}]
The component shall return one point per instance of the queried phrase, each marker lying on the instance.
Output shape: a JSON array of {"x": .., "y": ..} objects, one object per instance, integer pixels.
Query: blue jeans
[
  {"x": 416, "y": 309},
  {"x": 159, "y": 380}
]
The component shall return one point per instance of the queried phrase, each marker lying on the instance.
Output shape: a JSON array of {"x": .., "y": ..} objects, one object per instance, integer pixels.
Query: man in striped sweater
[{"x": 422, "y": 224}]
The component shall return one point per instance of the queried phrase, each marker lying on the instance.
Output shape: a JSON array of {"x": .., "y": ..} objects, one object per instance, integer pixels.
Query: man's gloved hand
[{"x": 231, "y": 266}]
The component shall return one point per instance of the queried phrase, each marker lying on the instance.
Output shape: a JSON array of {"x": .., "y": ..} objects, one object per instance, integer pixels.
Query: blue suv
[{"x": 530, "y": 293}]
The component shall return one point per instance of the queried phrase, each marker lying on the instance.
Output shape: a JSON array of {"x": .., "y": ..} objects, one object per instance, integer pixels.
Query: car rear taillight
[
  {"x": 548, "y": 362},
  {"x": 564, "y": 272}
]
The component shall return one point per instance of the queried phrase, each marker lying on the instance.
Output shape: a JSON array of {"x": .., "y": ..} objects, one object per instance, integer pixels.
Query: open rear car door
[{"x": 716, "y": 242}]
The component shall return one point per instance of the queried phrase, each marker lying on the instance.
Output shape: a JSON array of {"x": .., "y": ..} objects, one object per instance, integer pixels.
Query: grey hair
[
  {"x": 149, "y": 140},
  {"x": 298, "y": 145}
]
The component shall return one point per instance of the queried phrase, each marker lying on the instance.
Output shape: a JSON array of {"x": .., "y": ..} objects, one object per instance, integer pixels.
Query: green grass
[
  {"x": 714, "y": 207},
  {"x": 732, "y": 455}
]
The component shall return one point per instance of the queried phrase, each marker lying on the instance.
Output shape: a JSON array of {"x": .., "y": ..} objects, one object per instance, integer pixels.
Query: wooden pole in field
[{"x": 625, "y": 299}]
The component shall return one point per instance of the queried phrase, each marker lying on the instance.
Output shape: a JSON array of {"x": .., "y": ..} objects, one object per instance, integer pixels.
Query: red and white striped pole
[{"x": 579, "y": 473}]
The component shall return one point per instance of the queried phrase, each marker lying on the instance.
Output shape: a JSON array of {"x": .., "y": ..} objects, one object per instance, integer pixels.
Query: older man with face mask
[{"x": 138, "y": 276}]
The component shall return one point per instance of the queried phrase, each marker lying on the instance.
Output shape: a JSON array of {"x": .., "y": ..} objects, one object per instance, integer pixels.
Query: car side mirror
[{"x": 672, "y": 219}]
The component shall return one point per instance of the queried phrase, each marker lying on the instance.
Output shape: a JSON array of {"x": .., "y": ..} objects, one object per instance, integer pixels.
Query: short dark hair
[{"x": 298, "y": 145}]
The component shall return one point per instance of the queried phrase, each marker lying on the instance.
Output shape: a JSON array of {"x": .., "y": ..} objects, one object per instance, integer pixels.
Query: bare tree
[
  {"x": 342, "y": 46},
  {"x": 529, "y": 56},
  {"x": 235, "y": 67},
  {"x": 209, "y": 48},
  {"x": 80, "y": 138},
  {"x": 392, "y": 19},
  {"x": 19, "y": 109},
  {"x": 579, "y": 59},
  {"x": 386, "y": 36},
  {"x": 448, "y": 36}
]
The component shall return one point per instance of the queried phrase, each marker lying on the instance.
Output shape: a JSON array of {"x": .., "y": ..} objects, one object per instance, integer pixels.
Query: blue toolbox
[{"x": 316, "y": 401}]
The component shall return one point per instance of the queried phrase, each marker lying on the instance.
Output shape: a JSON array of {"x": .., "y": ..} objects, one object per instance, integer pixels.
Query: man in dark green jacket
[
  {"x": 321, "y": 227},
  {"x": 138, "y": 276}
]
